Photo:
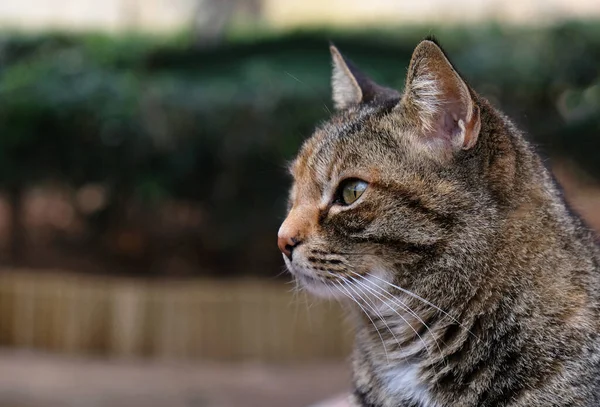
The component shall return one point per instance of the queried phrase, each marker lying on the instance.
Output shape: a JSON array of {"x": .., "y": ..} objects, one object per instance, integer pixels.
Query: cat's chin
[
  {"x": 319, "y": 288},
  {"x": 314, "y": 284}
]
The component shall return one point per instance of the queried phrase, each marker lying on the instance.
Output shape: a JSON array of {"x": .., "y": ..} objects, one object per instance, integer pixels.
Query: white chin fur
[{"x": 312, "y": 283}]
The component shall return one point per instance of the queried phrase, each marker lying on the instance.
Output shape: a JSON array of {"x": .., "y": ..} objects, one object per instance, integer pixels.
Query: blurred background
[{"x": 143, "y": 147}]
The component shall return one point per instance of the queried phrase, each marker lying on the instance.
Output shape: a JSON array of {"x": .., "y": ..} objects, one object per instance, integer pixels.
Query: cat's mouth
[
  {"x": 303, "y": 275},
  {"x": 309, "y": 279}
]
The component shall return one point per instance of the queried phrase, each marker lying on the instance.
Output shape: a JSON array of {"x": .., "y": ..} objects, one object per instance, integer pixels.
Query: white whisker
[
  {"x": 383, "y": 300},
  {"x": 349, "y": 295},
  {"x": 423, "y": 300},
  {"x": 374, "y": 309},
  {"x": 397, "y": 301}
]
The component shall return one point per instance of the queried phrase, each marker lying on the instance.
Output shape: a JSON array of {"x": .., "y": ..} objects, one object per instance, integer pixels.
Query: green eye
[{"x": 351, "y": 191}]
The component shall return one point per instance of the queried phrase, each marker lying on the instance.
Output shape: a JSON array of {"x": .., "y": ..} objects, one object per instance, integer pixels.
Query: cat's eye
[{"x": 350, "y": 191}]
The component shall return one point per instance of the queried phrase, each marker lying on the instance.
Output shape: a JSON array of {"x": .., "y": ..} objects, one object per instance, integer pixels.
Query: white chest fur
[{"x": 403, "y": 382}]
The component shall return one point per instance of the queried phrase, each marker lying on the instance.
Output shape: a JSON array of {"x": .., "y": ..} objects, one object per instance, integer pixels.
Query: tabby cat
[{"x": 431, "y": 216}]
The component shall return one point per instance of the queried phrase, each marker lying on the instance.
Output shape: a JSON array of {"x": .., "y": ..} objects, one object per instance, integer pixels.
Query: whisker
[
  {"x": 425, "y": 302},
  {"x": 400, "y": 303},
  {"x": 295, "y": 299},
  {"x": 282, "y": 272},
  {"x": 413, "y": 313},
  {"x": 397, "y": 313},
  {"x": 349, "y": 295},
  {"x": 374, "y": 309},
  {"x": 410, "y": 293}
]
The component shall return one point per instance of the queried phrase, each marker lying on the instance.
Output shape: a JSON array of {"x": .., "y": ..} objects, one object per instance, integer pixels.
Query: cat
[{"x": 431, "y": 216}]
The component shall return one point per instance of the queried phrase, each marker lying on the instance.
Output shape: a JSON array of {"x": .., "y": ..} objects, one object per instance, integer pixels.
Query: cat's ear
[
  {"x": 351, "y": 87},
  {"x": 439, "y": 100}
]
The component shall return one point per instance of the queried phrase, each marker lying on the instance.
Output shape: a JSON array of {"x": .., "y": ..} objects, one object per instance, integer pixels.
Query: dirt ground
[{"x": 36, "y": 380}]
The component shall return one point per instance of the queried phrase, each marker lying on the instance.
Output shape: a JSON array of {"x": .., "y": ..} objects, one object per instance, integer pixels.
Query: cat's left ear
[
  {"x": 440, "y": 101},
  {"x": 352, "y": 87}
]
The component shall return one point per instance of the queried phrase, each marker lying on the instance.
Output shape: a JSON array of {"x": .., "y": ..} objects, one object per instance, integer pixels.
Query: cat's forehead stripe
[
  {"x": 332, "y": 148},
  {"x": 326, "y": 157}
]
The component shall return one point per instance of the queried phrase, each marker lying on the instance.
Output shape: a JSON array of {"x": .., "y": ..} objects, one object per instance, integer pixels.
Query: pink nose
[{"x": 287, "y": 241}]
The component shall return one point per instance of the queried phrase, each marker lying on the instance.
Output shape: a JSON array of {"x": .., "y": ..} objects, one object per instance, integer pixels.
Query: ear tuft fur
[{"x": 440, "y": 101}]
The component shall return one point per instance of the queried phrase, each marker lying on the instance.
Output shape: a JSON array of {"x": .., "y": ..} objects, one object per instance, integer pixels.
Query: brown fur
[{"x": 460, "y": 212}]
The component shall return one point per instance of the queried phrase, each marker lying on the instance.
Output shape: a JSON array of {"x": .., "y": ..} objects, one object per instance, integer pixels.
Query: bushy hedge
[{"x": 151, "y": 118}]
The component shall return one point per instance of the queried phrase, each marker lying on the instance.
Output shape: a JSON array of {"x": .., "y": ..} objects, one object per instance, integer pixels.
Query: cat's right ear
[
  {"x": 440, "y": 101},
  {"x": 351, "y": 87}
]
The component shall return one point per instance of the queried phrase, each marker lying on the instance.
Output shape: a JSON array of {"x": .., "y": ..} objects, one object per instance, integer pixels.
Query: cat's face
[{"x": 375, "y": 191}]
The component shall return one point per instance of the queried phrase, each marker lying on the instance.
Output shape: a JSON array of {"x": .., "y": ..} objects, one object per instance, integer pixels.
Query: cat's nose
[{"x": 287, "y": 241}]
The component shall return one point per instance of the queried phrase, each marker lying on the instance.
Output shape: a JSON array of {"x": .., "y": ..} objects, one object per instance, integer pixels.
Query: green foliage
[{"x": 155, "y": 118}]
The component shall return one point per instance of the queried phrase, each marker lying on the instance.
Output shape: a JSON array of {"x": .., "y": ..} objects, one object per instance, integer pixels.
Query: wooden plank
[{"x": 204, "y": 319}]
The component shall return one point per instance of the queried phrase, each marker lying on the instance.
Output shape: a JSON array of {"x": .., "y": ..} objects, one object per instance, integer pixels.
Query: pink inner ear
[
  {"x": 449, "y": 126},
  {"x": 456, "y": 123},
  {"x": 444, "y": 126}
]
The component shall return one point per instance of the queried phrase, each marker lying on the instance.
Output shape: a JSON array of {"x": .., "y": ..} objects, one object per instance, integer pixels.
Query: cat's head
[{"x": 393, "y": 181}]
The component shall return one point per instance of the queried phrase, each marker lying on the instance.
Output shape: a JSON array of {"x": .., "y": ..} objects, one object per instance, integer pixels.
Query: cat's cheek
[{"x": 348, "y": 223}]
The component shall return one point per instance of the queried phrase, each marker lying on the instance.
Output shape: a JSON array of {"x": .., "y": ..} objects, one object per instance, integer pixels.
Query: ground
[{"x": 39, "y": 380}]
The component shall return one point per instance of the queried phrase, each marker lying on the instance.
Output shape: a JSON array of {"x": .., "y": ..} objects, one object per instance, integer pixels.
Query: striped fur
[{"x": 470, "y": 282}]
